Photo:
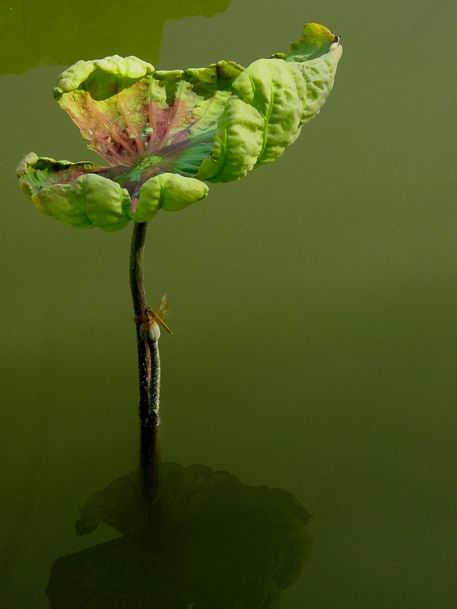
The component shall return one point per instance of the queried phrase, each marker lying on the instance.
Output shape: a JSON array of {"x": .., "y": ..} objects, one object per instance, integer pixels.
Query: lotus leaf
[{"x": 164, "y": 133}]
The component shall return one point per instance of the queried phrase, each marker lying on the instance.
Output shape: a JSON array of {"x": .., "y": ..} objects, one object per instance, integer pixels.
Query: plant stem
[{"x": 148, "y": 365}]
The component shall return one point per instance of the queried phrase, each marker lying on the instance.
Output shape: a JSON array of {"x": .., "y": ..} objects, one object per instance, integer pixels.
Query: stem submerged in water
[{"x": 148, "y": 364}]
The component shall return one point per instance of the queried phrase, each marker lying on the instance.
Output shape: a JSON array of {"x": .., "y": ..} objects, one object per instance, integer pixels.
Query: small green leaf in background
[{"x": 57, "y": 32}]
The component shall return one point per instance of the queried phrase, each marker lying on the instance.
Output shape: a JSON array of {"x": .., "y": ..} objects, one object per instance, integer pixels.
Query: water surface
[{"x": 314, "y": 310}]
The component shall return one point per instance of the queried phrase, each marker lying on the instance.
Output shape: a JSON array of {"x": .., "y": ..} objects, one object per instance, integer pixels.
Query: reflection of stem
[{"x": 148, "y": 364}]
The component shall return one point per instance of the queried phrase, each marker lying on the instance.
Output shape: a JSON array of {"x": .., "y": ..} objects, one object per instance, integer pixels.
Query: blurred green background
[{"x": 314, "y": 301}]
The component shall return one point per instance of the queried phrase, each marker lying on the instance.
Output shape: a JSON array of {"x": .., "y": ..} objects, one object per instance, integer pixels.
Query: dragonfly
[{"x": 157, "y": 315}]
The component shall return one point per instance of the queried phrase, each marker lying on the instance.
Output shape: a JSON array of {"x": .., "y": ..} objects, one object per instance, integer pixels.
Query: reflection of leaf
[
  {"x": 211, "y": 541},
  {"x": 57, "y": 32},
  {"x": 120, "y": 505}
]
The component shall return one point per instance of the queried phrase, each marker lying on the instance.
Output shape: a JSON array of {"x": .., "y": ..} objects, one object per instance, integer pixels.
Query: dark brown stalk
[{"x": 148, "y": 365}]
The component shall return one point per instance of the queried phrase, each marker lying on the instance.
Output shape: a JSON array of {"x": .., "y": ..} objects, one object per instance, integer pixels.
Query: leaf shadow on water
[
  {"x": 57, "y": 32},
  {"x": 206, "y": 541}
]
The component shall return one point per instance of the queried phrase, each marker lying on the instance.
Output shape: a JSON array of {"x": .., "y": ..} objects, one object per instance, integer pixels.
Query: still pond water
[{"x": 314, "y": 308}]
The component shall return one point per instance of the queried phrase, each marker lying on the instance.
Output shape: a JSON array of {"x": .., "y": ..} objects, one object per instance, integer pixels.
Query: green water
[{"x": 314, "y": 309}]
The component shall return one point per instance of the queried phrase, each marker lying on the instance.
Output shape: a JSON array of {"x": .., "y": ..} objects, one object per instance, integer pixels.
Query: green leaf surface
[
  {"x": 168, "y": 191},
  {"x": 73, "y": 193}
]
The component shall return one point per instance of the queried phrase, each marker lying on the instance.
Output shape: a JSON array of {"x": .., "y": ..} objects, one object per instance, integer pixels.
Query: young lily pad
[{"x": 163, "y": 133}]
